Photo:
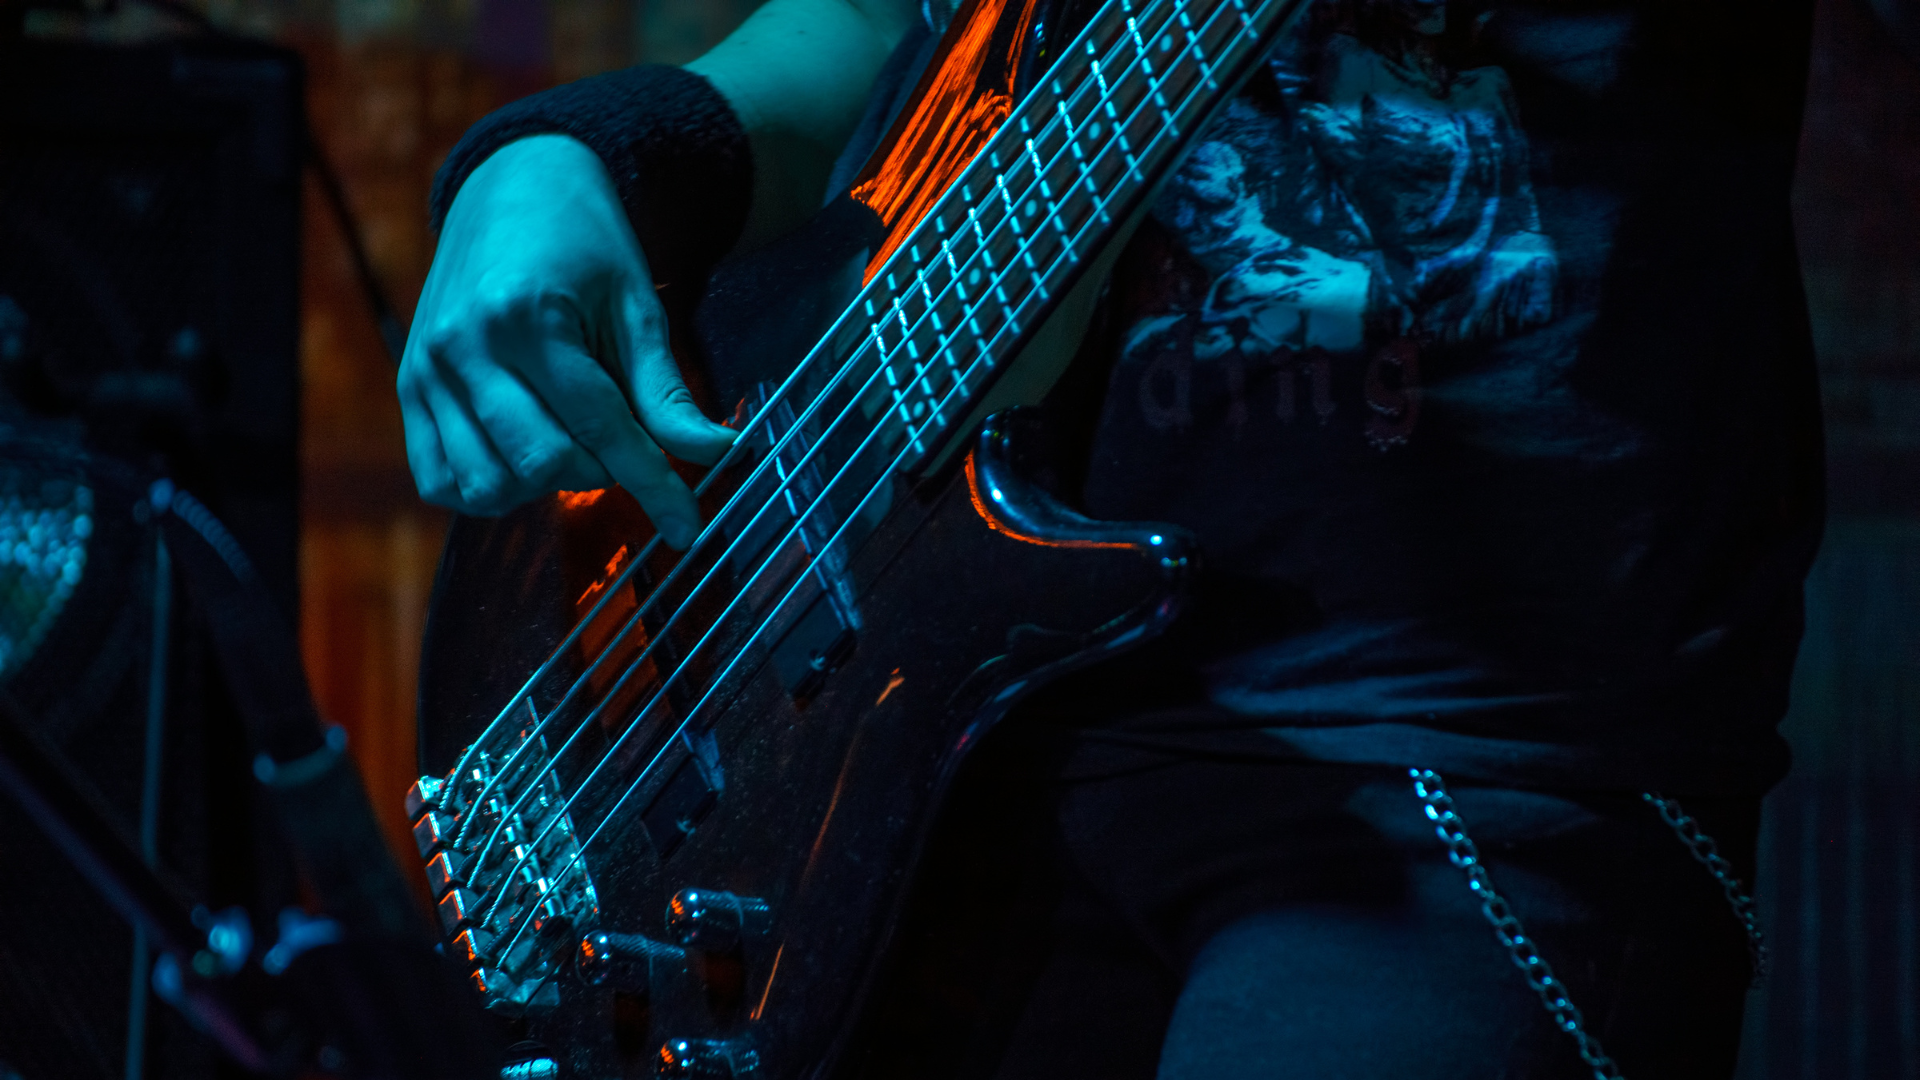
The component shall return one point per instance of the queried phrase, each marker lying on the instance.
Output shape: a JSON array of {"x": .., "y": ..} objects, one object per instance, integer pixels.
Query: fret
[
  {"x": 1053, "y": 211},
  {"x": 1006, "y": 199},
  {"x": 933, "y": 403},
  {"x": 1140, "y": 48},
  {"x": 1146, "y": 65},
  {"x": 1024, "y": 251},
  {"x": 1193, "y": 44},
  {"x": 1113, "y": 115},
  {"x": 953, "y": 266},
  {"x": 933, "y": 306},
  {"x": 1080, "y": 160},
  {"x": 986, "y": 253},
  {"x": 901, "y": 405}
]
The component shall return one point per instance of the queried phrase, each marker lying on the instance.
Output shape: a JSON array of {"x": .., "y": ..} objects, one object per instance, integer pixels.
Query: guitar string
[
  {"x": 507, "y": 769},
  {"x": 800, "y": 523},
  {"x": 718, "y": 681},
  {"x": 933, "y": 421}
]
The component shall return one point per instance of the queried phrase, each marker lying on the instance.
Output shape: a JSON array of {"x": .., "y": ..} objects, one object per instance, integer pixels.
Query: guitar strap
[{"x": 316, "y": 793}]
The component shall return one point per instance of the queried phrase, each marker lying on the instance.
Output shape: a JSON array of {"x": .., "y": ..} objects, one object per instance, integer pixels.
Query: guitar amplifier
[{"x": 149, "y": 222}]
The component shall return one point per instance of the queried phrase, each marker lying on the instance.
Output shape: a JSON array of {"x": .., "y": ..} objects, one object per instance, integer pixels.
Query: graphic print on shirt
[{"x": 1371, "y": 204}]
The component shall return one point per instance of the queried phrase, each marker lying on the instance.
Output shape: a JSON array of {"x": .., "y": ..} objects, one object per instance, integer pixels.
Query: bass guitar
[{"x": 673, "y": 799}]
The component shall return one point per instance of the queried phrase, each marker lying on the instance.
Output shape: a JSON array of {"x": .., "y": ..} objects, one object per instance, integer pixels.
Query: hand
[{"x": 538, "y": 360}]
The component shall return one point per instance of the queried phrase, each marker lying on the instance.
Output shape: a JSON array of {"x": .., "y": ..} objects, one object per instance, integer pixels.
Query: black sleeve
[{"x": 675, "y": 149}]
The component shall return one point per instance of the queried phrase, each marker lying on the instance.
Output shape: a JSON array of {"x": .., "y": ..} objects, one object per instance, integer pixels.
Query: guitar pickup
[
  {"x": 788, "y": 490},
  {"x": 814, "y": 648},
  {"x": 687, "y": 797},
  {"x": 816, "y": 643}
]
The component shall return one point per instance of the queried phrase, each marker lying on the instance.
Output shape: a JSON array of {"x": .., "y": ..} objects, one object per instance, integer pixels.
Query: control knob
[
  {"x": 713, "y": 921},
  {"x": 623, "y": 962},
  {"x": 708, "y": 1059}
]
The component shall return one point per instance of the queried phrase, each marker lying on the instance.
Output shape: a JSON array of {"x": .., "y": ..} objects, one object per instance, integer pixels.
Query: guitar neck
[{"x": 959, "y": 287}]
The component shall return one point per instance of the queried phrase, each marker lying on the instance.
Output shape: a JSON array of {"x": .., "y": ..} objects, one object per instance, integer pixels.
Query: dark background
[
  {"x": 392, "y": 83},
  {"x": 1840, "y": 853}
]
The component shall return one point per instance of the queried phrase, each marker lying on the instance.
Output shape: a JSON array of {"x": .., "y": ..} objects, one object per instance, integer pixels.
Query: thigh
[
  {"x": 1282, "y": 920},
  {"x": 1338, "y": 993},
  {"x": 1419, "y": 985}
]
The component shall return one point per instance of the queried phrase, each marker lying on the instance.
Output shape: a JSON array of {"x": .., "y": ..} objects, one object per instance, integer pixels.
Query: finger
[
  {"x": 586, "y": 399},
  {"x": 484, "y": 484},
  {"x": 534, "y": 444},
  {"x": 425, "y": 457},
  {"x": 660, "y": 396}
]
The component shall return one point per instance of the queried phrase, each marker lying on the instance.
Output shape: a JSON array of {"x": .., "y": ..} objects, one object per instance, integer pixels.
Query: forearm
[
  {"x": 797, "y": 74},
  {"x": 538, "y": 359},
  {"x": 734, "y": 149}
]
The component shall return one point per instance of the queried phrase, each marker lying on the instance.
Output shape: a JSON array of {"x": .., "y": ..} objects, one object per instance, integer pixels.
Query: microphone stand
[{"x": 88, "y": 838}]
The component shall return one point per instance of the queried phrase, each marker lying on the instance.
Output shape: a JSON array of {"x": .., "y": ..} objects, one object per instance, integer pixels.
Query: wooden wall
[{"x": 392, "y": 84}]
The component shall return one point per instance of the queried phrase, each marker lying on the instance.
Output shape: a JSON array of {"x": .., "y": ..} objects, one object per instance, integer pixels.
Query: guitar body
[{"x": 823, "y": 804}]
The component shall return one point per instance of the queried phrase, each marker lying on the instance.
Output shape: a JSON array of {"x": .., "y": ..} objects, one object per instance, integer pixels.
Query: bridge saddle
[{"x": 512, "y": 888}]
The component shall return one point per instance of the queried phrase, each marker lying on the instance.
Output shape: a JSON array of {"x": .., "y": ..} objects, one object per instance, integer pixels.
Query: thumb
[{"x": 661, "y": 400}]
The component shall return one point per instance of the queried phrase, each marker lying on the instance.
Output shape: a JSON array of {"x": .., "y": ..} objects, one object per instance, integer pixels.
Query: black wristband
[{"x": 677, "y": 153}]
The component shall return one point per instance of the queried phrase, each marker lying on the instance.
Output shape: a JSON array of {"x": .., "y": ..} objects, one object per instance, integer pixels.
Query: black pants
[{"x": 1130, "y": 916}]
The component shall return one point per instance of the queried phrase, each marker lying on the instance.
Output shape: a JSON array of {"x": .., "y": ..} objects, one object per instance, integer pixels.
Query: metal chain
[
  {"x": 1463, "y": 854},
  {"x": 1708, "y": 855}
]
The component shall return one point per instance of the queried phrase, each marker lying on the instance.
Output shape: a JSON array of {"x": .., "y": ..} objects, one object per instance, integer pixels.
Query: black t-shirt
[{"x": 1470, "y": 341}]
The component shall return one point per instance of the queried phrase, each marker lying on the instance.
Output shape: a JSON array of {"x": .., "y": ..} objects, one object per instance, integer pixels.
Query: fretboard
[{"x": 964, "y": 287}]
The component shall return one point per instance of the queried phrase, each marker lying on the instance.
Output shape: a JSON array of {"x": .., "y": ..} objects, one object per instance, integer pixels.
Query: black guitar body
[{"x": 822, "y": 805}]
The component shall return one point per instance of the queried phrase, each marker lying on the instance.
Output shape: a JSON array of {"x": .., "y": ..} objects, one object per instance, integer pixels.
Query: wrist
[{"x": 670, "y": 144}]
